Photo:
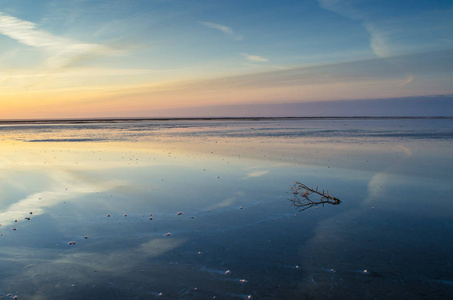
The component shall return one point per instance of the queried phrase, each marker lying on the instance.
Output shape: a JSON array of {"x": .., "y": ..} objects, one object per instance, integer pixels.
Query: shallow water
[{"x": 239, "y": 234}]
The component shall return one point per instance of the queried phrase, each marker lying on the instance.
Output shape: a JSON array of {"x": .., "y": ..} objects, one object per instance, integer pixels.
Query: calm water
[{"x": 239, "y": 235}]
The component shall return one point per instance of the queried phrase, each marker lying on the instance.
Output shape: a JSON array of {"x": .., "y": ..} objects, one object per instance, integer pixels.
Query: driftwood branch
[{"x": 305, "y": 197}]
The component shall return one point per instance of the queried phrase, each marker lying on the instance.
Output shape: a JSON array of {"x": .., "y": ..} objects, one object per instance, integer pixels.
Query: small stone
[
  {"x": 227, "y": 272},
  {"x": 168, "y": 234},
  {"x": 85, "y": 237},
  {"x": 108, "y": 215},
  {"x": 179, "y": 213}
]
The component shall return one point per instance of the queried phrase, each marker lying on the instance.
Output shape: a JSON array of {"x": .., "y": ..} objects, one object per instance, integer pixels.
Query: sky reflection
[{"x": 233, "y": 192}]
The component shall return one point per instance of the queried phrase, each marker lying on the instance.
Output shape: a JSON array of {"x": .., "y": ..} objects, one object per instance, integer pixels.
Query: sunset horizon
[{"x": 98, "y": 59}]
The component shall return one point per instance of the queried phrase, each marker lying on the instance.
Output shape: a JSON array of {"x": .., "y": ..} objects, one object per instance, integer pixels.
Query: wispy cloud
[
  {"x": 379, "y": 41},
  {"x": 254, "y": 58},
  {"x": 225, "y": 29},
  {"x": 62, "y": 51}
]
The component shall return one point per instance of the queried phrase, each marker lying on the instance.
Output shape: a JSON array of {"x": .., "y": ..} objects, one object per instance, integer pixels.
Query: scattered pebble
[
  {"x": 168, "y": 233},
  {"x": 85, "y": 237},
  {"x": 72, "y": 243},
  {"x": 179, "y": 213},
  {"x": 365, "y": 271},
  {"x": 27, "y": 218},
  {"x": 242, "y": 281},
  {"x": 14, "y": 229},
  {"x": 108, "y": 215},
  {"x": 227, "y": 272},
  {"x": 31, "y": 213},
  {"x": 150, "y": 218},
  {"x": 241, "y": 207},
  {"x": 125, "y": 215}
]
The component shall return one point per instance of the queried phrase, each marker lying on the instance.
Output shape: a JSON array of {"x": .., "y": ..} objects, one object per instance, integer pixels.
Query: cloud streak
[
  {"x": 225, "y": 29},
  {"x": 254, "y": 58},
  {"x": 379, "y": 41},
  {"x": 63, "y": 51}
]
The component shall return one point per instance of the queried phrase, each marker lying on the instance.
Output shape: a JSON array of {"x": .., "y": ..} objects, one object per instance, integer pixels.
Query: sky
[{"x": 202, "y": 58}]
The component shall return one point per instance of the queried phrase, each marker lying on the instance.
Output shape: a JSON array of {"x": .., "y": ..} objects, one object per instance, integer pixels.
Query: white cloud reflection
[
  {"x": 65, "y": 186},
  {"x": 255, "y": 174}
]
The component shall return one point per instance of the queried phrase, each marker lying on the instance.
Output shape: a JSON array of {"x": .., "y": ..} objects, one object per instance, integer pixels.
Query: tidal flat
[{"x": 204, "y": 209}]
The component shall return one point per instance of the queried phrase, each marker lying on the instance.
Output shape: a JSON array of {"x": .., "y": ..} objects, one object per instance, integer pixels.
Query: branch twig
[{"x": 302, "y": 194}]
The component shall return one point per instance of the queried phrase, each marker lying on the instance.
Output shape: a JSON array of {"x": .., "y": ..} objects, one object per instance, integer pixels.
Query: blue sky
[{"x": 81, "y": 58}]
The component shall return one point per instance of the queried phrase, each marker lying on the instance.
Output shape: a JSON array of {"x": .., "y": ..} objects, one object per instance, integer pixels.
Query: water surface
[{"x": 239, "y": 235}]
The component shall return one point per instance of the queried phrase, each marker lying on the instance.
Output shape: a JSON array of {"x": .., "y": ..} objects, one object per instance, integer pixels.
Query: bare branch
[{"x": 303, "y": 199}]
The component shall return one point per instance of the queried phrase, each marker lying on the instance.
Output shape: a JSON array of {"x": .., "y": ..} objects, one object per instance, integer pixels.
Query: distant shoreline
[{"x": 121, "y": 120}]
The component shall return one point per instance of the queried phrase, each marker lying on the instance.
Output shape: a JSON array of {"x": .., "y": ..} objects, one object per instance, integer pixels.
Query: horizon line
[{"x": 122, "y": 119}]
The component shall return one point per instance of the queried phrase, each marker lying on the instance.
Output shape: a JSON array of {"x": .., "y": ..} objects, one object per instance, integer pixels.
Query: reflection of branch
[{"x": 302, "y": 195}]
